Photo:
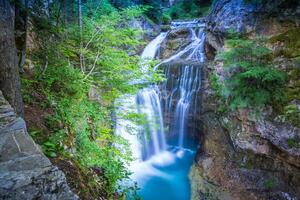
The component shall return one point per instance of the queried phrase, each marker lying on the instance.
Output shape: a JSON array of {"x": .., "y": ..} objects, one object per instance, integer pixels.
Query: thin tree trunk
[
  {"x": 9, "y": 71},
  {"x": 68, "y": 11},
  {"x": 82, "y": 68}
]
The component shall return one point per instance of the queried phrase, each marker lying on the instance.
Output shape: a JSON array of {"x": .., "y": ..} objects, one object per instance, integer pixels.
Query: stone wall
[{"x": 25, "y": 173}]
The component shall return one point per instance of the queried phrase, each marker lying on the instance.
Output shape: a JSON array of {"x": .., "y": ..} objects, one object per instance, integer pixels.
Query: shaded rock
[
  {"x": 244, "y": 16},
  {"x": 227, "y": 168},
  {"x": 25, "y": 173},
  {"x": 213, "y": 44}
]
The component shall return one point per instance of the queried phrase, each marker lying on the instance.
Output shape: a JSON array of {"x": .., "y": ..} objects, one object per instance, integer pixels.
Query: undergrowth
[{"x": 80, "y": 129}]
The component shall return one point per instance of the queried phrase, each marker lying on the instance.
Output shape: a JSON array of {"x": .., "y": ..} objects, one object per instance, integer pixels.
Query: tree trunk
[
  {"x": 68, "y": 11},
  {"x": 9, "y": 71},
  {"x": 82, "y": 68},
  {"x": 21, "y": 30}
]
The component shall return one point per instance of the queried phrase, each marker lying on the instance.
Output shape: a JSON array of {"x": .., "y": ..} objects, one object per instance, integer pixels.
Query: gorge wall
[{"x": 242, "y": 157}]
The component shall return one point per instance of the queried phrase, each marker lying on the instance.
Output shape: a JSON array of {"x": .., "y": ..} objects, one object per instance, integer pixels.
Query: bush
[{"x": 252, "y": 82}]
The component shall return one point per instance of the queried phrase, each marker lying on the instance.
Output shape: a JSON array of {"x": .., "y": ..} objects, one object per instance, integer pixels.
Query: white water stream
[{"x": 156, "y": 158}]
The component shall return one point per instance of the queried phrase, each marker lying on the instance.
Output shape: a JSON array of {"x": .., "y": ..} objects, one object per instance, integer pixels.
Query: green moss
[
  {"x": 291, "y": 114},
  {"x": 291, "y": 42},
  {"x": 216, "y": 86},
  {"x": 270, "y": 183},
  {"x": 292, "y": 143},
  {"x": 293, "y": 90},
  {"x": 165, "y": 27}
]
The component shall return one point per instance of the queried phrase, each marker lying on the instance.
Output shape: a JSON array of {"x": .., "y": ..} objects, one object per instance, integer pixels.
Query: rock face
[
  {"x": 176, "y": 40},
  {"x": 243, "y": 157},
  {"x": 25, "y": 173},
  {"x": 247, "y": 16}
]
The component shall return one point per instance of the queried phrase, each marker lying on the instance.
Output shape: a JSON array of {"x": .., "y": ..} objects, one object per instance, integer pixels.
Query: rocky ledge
[{"x": 25, "y": 173}]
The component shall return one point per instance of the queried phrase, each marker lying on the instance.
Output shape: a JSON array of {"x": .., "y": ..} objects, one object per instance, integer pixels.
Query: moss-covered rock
[{"x": 289, "y": 43}]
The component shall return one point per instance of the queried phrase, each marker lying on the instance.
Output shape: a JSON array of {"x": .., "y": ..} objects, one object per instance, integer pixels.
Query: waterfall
[
  {"x": 149, "y": 104},
  {"x": 188, "y": 86},
  {"x": 184, "y": 84},
  {"x": 187, "y": 24},
  {"x": 162, "y": 164},
  {"x": 193, "y": 51},
  {"x": 148, "y": 138},
  {"x": 151, "y": 49}
]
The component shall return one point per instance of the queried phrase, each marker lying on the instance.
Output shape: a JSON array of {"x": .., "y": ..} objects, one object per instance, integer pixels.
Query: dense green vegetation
[
  {"x": 154, "y": 7},
  {"x": 79, "y": 128},
  {"x": 183, "y": 9},
  {"x": 186, "y": 9},
  {"x": 82, "y": 61},
  {"x": 252, "y": 80},
  {"x": 289, "y": 49}
]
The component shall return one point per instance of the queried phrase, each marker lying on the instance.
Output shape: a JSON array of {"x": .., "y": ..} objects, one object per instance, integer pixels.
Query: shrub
[{"x": 252, "y": 81}]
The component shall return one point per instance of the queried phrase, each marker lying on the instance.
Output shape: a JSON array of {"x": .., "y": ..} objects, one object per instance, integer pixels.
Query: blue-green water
[{"x": 165, "y": 175}]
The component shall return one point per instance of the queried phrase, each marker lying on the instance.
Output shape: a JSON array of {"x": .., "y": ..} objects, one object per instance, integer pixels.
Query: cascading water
[
  {"x": 146, "y": 103},
  {"x": 186, "y": 85},
  {"x": 149, "y": 104},
  {"x": 163, "y": 159}
]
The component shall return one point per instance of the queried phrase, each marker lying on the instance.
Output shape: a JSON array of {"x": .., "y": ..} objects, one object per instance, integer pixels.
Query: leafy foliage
[
  {"x": 186, "y": 9},
  {"x": 154, "y": 11},
  {"x": 252, "y": 81},
  {"x": 79, "y": 127}
]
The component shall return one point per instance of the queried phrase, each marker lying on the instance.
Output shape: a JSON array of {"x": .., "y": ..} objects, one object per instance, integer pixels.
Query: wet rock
[
  {"x": 213, "y": 44},
  {"x": 243, "y": 157},
  {"x": 176, "y": 40}
]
